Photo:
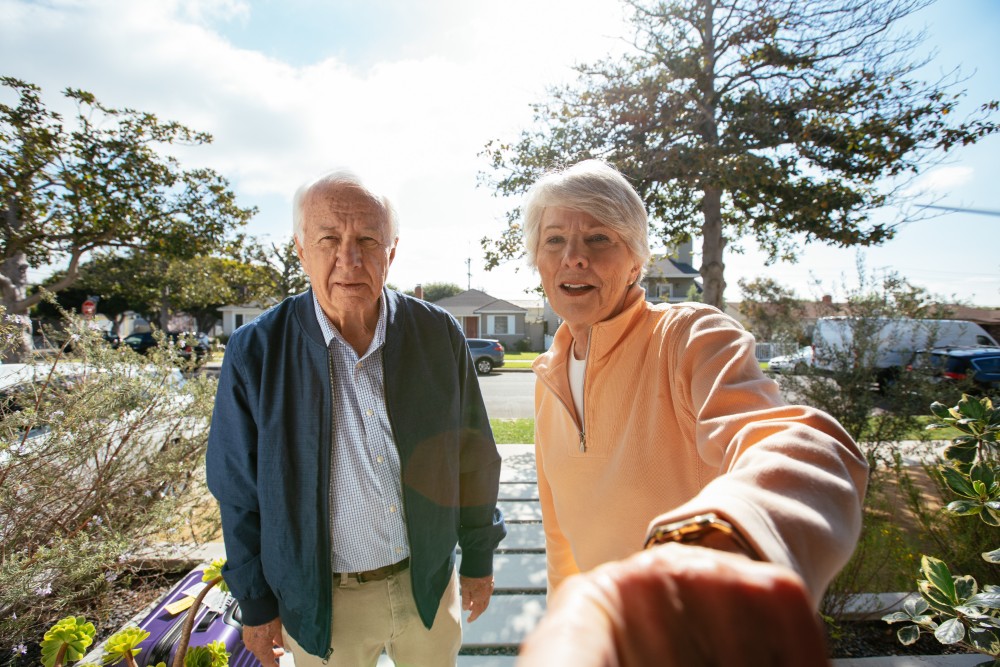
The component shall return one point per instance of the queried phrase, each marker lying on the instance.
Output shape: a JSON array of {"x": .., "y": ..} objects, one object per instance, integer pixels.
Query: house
[
  {"x": 235, "y": 316},
  {"x": 670, "y": 278},
  {"x": 483, "y": 316},
  {"x": 535, "y": 324}
]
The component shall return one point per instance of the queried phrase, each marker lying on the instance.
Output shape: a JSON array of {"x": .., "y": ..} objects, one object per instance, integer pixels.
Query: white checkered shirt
[{"x": 367, "y": 523}]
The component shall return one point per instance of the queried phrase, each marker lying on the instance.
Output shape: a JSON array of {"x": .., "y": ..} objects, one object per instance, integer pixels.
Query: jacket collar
[
  {"x": 306, "y": 314},
  {"x": 604, "y": 338}
]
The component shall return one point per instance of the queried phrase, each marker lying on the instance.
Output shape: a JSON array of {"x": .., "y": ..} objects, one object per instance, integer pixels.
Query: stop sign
[{"x": 89, "y": 307}]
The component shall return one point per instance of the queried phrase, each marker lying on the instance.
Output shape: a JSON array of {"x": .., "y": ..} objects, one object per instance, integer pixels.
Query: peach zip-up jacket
[{"x": 680, "y": 420}]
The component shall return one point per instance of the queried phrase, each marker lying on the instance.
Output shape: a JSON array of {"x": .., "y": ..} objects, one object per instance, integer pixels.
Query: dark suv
[
  {"x": 487, "y": 354},
  {"x": 979, "y": 365}
]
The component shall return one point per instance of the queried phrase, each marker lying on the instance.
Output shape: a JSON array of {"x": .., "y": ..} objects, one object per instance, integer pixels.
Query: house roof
[
  {"x": 480, "y": 302},
  {"x": 667, "y": 267}
]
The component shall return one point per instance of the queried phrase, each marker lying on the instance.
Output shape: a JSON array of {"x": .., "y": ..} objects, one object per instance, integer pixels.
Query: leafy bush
[
  {"x": 955, "y": 608},
  {"x": 101, "y": 457}
]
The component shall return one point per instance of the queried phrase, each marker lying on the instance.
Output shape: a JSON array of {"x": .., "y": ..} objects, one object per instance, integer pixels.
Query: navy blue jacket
[{"x": 268, "y": 461}]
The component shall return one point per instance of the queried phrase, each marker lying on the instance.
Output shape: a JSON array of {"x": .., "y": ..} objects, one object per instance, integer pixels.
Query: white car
[{"x": 791, "y": 364}]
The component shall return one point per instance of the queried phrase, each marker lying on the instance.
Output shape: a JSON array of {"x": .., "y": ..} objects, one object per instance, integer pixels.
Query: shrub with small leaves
[
  {"x": 954, "y": 608},
  {"x": 123, "y": 645},
  {"x": 67, "y": 641},
  {"x": 101, "y": 457}
]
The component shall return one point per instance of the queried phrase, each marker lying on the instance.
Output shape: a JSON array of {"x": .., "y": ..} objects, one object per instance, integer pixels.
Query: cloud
[{"x": 943, "y": 180}]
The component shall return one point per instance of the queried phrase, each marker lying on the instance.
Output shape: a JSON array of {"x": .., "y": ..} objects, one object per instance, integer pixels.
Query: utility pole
[{"x": 468, "y": 265}]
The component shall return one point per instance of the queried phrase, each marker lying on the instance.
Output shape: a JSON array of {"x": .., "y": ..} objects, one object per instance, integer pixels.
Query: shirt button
[
  {"x": 379, "y": 459},
  {"x": 392, "y": 508},
  {"x": 369, "y": 413},
  {"x": 399, "y": 550}
]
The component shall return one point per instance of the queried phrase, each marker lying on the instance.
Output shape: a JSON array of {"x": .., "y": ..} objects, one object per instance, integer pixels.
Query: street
[{"x": 509, "y": 394}]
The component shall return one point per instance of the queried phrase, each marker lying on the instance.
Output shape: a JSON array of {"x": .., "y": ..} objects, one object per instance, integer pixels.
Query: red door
[{"x": 471, "y": 327}]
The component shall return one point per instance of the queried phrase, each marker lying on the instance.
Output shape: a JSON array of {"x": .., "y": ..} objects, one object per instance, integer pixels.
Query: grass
[
  {"x": 513, "y": 431},
  {"x": 519, "y": 359}
]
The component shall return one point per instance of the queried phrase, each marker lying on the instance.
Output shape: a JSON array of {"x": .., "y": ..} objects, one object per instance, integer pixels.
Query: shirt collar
[{"x": 330, "y": 331}]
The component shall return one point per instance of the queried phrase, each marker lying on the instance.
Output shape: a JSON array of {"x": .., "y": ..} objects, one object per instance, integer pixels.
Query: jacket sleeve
[
  {"x": 231, "y": 473},
  {"x": 481, "y": 523},
  {"x": 792, "y": 480}
]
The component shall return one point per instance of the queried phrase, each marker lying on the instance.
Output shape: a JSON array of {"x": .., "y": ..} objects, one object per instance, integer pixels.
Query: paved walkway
[{"x": 519, "y": 569}]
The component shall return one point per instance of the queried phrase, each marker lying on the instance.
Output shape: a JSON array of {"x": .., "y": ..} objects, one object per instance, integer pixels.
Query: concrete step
[
  {"x": 523, "y": 537},
  {"x": 518, "y": 491},
  {"x": 520, "y": 510},
  {"x": 506, "y": 622},
  {"x": 519, "y": 572}
]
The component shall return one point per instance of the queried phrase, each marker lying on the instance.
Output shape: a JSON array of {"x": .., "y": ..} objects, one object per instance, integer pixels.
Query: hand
[
  {"x": 476, "y": 594},
  {"x": 679, "y": 606},
  {"x": 265, "y": 641}
]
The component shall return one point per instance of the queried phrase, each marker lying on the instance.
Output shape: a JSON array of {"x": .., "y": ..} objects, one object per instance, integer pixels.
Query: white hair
[{"x": 340, "y": 178}]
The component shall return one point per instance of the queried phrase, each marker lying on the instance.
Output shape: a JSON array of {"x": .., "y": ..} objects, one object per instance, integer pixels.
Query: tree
[
  {"x": 159, "y": 287},
  {"x": 773, "y": 312},
  {"x": 66, "y": 191},
  {"x": 785, "y": 121},
  {"x": 284, "y": 271}
]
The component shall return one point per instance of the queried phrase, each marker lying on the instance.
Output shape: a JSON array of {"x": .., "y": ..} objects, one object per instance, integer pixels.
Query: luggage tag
[{"x": 181, "y": 604}]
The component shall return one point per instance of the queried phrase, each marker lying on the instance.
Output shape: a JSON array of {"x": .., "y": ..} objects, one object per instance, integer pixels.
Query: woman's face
[{"x": 586, "y": 267}]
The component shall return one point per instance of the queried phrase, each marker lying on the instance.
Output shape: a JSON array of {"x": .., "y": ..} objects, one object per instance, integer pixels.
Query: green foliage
[
  {"x": 160, "y": 286},
  {"x": 211, "y": 655},
  {"x": 123, "y": 646},
  {"x": 98, "y": 182},
  {"x": 773, "y": 312},
  {"x": 67, "y": 641},
  {"x": 775, "y": 121},
  {"x": 954, "y": 608},
  {"x": 101, "y": 454},
  {"x": 214, "y": 571},
  {"x": 877, "y": 407}
]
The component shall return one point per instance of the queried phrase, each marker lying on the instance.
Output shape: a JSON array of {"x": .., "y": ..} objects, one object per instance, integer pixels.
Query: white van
[{"x": 897, "y": 339}]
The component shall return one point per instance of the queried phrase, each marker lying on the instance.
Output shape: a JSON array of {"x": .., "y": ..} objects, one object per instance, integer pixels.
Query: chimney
[
  {"x": 418, "y": 291},
  {"x": 827, "y": 299}
]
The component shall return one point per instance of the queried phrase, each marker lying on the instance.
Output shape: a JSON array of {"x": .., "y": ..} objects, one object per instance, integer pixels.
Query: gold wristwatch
[{"x": 706, "y": 530}]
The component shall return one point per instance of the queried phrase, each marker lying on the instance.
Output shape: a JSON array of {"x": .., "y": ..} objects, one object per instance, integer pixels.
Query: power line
[{"x": 953, "y": 209}]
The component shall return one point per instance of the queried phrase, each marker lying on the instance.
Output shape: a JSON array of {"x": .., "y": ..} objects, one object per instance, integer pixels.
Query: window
[
  {"x": 237, "y": 320},
  {"x": 500, "y": 324}
]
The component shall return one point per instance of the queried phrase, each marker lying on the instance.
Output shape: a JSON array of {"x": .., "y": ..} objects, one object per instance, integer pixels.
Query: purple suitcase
[{"x": 220, "y": 624}]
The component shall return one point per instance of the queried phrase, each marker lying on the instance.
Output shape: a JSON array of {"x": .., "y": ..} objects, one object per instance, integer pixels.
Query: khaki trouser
[{"x": 377, "y": 615}]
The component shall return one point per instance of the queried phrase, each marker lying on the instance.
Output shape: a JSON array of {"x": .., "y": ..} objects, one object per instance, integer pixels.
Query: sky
[{"x": 407, "y": 94}]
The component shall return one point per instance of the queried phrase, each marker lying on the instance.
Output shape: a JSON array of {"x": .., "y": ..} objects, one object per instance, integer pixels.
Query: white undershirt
[{"x": 577, "y": 368}]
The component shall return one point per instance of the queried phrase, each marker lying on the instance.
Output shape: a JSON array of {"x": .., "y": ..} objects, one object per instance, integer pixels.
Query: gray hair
[
  {"x": 593, "y": 187},
  {"x": 340, "y": 178}
]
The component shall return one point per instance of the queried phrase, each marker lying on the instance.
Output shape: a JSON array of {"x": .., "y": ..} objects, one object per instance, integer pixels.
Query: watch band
[{"x": 694, "y": 529}]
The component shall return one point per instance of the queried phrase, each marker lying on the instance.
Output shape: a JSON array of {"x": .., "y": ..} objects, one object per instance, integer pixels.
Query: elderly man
[{"x": 350, "y": 451}]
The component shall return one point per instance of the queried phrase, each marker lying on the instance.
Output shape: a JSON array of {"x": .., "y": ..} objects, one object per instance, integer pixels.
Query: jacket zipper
[{"x": 583, "y": 402}]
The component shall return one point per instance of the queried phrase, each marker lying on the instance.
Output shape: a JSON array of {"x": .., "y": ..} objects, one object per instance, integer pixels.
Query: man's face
[{"x": 345, "y": 250}]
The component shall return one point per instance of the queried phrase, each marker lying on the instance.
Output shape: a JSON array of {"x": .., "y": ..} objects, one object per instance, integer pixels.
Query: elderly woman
[{"x": 654, "y": 425}]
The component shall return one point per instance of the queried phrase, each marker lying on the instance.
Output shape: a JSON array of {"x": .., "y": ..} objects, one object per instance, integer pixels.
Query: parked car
[
  {"x": 978, "y": 365},
  {"x": 790, "y": 364},
  {"x": 487, "y": 354},
  {"x": 896, "y": 340},
  {"x": 187, "y": 344}
]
